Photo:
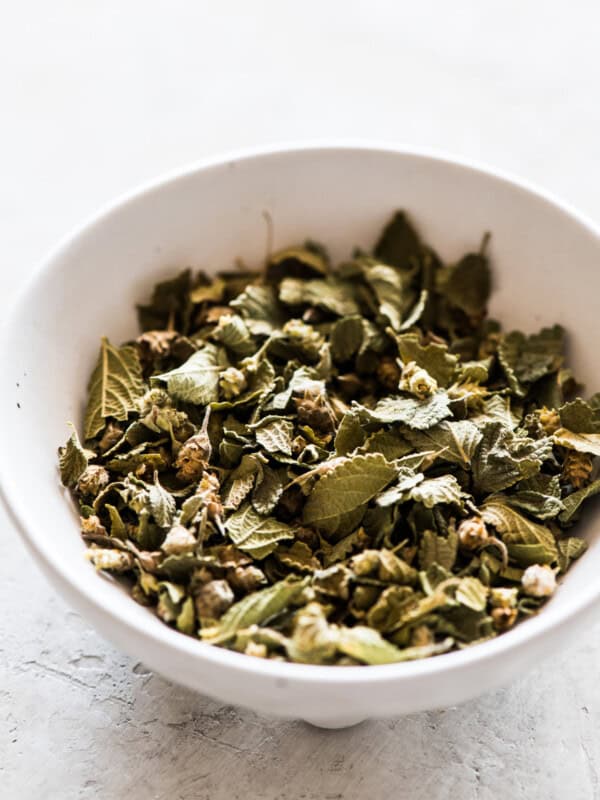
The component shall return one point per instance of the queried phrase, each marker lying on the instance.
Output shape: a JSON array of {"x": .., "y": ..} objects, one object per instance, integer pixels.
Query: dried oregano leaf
[
  {"x": 410, "y": 411},
  {"x": 433, "y": 358},
  {"x": 114, "y": 387},
  {"x": 196, "y": 381},
  {"x": 572, "y": 503},
  {"x": 347, "y": 486},
  {"x": 274, "y": 435},
  {"x": 260, "y": 309},
  {"x": 255, "y": 534},
  {"x": 503, "y": 458},
  {"x": 455, "y": 442},
  {"x": 369, "y": 647},
  {"x": 254, "y": 609},
  {"x": 331, "y": 295},
  {"x": 346, "y": 338},
  {"x": 582, "y": 442},
  {"x": 527, "y": 541},
  {"x": 580, "y": 417},
  {"x": 364, "y": 430},
  {"x": 72, "y": 460}
]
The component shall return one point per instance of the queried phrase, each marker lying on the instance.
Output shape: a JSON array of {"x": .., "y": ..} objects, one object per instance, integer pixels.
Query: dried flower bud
[
  {"x": 213, "y": 599},
  {"x": 388, "y": 373},
  {"x": 538, "y": 581},
  {"x": 92, "y": 481},
  {"x": 394, "y": 570},
  {"x": 307, "y": 536},
  {"x": 304, "y": 336},
  {"x": 113, "y": 560},
  {"x": 365, "y": 563},
  {"x": 208, "y": 488},
  {"x": 364, "y": 597},
  {"x": 193, "y": 457},
  {"x": 232, "y": 383},
  {"x": 421, "y": 636},
  {"x": 351, "y": 385},
  {"x": 471, "y": 393},
  {"x": 246, "y": 579},
  {"x": 472, "y": 533},
  {"x": 315, "y": 412},
  {"x": 112, "y": 433},
  {"x": 577, "y": 469},
  {"x": 504, "y": 617},
  {"x": 153, "y": 397},
  {"x": 91, "y": 526},
  {"x": 504, "y": 597},
  {"x": 179, "y": 540},
  {"x": 549, "y": 420},
  {"x": 313, "y": 639},
  {"x": 417, "y": 381},
  {"x": 257, "y": 650},
  {"x": 153, "y": 345}
]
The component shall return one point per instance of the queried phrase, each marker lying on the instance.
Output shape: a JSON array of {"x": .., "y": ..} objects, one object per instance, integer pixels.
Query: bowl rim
[{"x": 116, "y": 613}]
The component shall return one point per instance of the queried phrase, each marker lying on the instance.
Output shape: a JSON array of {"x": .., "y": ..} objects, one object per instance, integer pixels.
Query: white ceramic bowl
[{"x": 545, "y": 261}]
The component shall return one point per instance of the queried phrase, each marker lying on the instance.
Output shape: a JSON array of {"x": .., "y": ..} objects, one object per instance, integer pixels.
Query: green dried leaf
[
  {"x": 161, "y": 504},
  {"x": 260, "y": 384},
  {"x": 196, "y": 381},
  {"x": 526, "y": 359},
  {"x": 392, "y": 288},
  {"x": 471, "y": 593},
  {"x": 390, "y": 444},
  {"x": 416, "y": 414},
  {"x": 582, "y": 442},
  {"x": 72, "y": 460},
  {"x": 399, "y": 243},
  {"x": 331, "y": 295},
  {"x": 255, "y": 534},
  {"x": 580, "y": 417},
  {"x": 260, "y": 309},
  {"x": 274, "y": 434},
  {"x": 254, "y": 609},
  {"x": 434, "y": 491},
  {"x": 400, "y": 492},
  {"x": 114, "y": 387},
  {"x": 527, "y": 542},
  {"x": 297, "y": 262},
  {"x": 350, "y": 483},
  {"x": 366, "y": 645},
  {"x": 170, "y": 306},
  {"x": 467, "y": 284},
  {"x": 241, "y": 481},
  {"x": 455, "y": 442},
  {"x": 269, "y": 488},
  {"x": 440, "y": 550},
  {"x": 117, "y": 526},
  {"x": 569, "y": 550},
  {"x": 233, "y": 334},
  {"x": 433, "y": 358},
  {"x": 503, "y": 458},
  {"x": 346, "y": 338},
  {"x": 572, "y": 503},
  {"x": 495, "y": 409},
  {"x": 350, "y": 434},
  {"x": 538, "y": 496}
]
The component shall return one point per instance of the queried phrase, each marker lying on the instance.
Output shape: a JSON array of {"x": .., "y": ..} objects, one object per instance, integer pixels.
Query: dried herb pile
[{"x": 335, "y": 466}]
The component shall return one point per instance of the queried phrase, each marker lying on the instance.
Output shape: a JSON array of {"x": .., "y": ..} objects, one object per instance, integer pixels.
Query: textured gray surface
[{"x": 98, "y": 96}]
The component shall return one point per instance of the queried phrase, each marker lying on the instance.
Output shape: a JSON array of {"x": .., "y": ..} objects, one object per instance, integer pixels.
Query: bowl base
[{"x": 334, "y": 723}]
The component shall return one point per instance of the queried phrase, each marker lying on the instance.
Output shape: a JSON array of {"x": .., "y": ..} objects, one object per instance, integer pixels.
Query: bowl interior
[{"x": 545, "y": 265}]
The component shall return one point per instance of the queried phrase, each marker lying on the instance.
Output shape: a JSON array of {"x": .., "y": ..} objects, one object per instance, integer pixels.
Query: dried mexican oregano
[{"x": 335, "y": 466}]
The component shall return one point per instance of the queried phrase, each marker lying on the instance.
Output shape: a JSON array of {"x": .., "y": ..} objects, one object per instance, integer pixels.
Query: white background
[{"x": 98, "y": 96}]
